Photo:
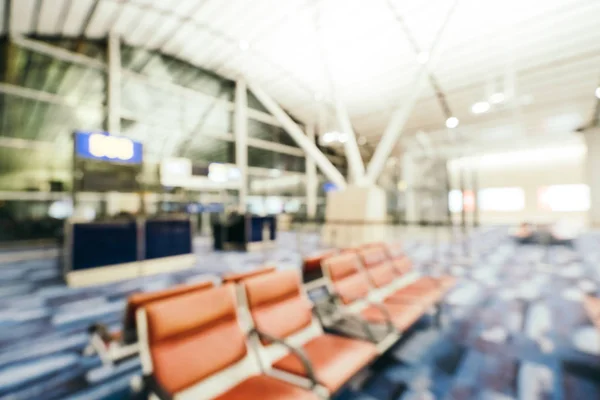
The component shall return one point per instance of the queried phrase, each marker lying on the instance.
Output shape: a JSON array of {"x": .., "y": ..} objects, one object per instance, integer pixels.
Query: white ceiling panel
[
  {"x": 76, "y": 17},
  {"x": 127, "y": 18},
  {"x": 166, "y": 28},
  {"x": 551, "y": 48},
  {"x": 22, "y": 15},
  {"x": 50, "y": 12},
  {"x": 144, "y": 27},
  {"x": 103, "y": 18}
]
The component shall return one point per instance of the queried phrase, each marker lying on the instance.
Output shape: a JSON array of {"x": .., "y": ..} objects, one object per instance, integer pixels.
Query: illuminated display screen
[
  {"x": 329, "y": 187},
  {"x": 564, "y": 198},
  {"x": 104, "y": 147},
  {"x": 502, "y": 199}
]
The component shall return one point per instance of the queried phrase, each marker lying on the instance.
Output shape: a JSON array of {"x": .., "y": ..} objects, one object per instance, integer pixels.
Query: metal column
[
  {"x": 241, "y": 140},
  {"x": 311, "y": 178},
  {"x": 114, "y": 84}
]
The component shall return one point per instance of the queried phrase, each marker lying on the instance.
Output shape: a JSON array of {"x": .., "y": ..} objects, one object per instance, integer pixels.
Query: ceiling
[{"x": 544, "y": 55}]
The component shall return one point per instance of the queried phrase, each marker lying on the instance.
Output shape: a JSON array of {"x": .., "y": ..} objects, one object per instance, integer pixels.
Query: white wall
[{"x": 528, "y": 170}]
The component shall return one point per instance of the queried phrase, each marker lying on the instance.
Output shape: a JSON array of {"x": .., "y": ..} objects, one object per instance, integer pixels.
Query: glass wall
[{"x": 51, "y": 87}]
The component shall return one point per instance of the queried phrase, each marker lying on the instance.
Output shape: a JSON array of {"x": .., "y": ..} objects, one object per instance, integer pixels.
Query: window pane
[
  {"x": 564, "y": 198},
  {"x": 502, "y": 199}
]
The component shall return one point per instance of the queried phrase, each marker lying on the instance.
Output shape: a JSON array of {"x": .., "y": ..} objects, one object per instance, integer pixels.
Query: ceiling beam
[
  {"x": 299, "y": 136},
  {"x": 400, "y": 117}
]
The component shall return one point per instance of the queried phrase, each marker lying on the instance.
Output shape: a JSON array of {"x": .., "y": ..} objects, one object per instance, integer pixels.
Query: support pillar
[
  {"x": 312, "y": 182},
  {"x": 114, "y": 84},
  {"x": 241, "y": 140},
  {"x": 592, "y": 166},
  {"x": 355, "y": 162},
  {"x": 411, "y": 215}
]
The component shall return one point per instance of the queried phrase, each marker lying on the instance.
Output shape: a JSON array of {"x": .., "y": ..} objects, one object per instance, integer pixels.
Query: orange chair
[
  {"x": 238, "y": 277},
  {"x": 193, "y": 347},
  {"x": 350, "y": 284},
  {"x": 396, "y": 255},
  {"x": 313, "y": 263},
  {"x": 139, "y": 300},
  {"x": 592, "y": 307},
  {"x": 394, "y": 286},
  {"x": 280, "y": 309},
  {"x": 113, "y": 347}
]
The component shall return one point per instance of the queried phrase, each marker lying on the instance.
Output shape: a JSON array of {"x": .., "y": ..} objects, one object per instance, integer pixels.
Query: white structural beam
[
  {"x": 355, "y": 162},
  {"x": 114, "y": 83},
  {"x": 299, "y": 137},
  {"x": 241, "y": 140},
  {"x": 57, "y": 52},
  {"x": 400, "y": 117},
  {"x": 312, "y": 182}
]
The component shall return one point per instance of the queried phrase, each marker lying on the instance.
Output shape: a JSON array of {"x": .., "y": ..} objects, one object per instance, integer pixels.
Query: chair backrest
[
  {"x": 238, "y": 277},
  {"x": 138, "y": 300},
  {"x": 191, "y": 337},
  {"x": 348, "y": 280},
  {"x": 277, "y": 304},
  {"x": 380, "y": 270},
  {"x": 395, "y": 250},
  {"x": 313, "y": 262}
]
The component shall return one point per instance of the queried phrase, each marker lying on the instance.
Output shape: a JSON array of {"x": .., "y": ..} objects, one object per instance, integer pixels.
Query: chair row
[
  {"x": 256, "y": 339},
  {"x": 379, "y": 287},
  {"x": 116, "y": 346}
]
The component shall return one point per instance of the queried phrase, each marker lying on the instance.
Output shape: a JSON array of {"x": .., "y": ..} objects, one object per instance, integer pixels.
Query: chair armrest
[
  {"x": 380, "y": 307},
  {"x": 308, "y": 368},
  {"x": 345, "y": 315}
]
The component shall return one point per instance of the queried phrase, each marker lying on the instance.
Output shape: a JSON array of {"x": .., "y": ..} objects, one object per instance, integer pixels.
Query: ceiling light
[
  {"x": 362, "y": 140},
  {"x": 480, "y": 107},
  {"x": 452, "y": 122},
  {"x": 423, "y": 57},
  {"x": 598, "y": 92},
  {"x": 244, "y": 45},
  {"x": 497, "y": 98}
]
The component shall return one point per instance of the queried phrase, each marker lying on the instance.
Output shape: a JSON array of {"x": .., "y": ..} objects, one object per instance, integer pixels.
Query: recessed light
[
  {"x": 362, "y": 140},
  {"x": 497, "y": 98},
  {"x": 244, "y": 45},
  {"x": 480, "y": 107},
  {"x": 452, "y": 122},
  {"x": 423, "y": 57}
]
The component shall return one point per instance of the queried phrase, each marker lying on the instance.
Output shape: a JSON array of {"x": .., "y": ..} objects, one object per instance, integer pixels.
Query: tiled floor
[{"x": 511, "y": 326}]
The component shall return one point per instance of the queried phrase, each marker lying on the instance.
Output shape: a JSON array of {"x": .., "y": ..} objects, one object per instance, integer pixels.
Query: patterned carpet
[{"x": 514, "y": 327}]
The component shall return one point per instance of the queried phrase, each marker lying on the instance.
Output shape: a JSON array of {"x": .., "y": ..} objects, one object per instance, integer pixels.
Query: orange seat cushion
[
  {"x": 403, "y": 315},
  {"x": 592, "y": 307},
  {"x": 335, "y": 359},
  {"x": 264, "y": 387}
]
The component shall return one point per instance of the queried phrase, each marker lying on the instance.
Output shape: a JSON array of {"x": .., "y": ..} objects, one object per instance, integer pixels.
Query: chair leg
[{"x": 438, "y": 315}]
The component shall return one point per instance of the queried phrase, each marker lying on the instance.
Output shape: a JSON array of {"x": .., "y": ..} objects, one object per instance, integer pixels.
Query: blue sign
[
  {"x": 104, "y": 147},
  {"x": 329, "y": 187}
]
